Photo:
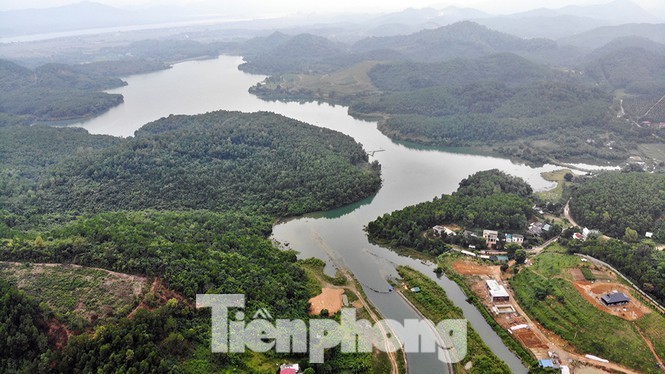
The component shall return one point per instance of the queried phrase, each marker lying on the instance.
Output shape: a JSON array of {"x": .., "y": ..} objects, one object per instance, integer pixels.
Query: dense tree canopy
[
  {"x": 643, "y": 264},
  {"x": 195, "y": 252},
  {"x": 486, "y": 200},
  {"x": 466, "y": 85},
  {"x": 22, "y": 331},
  {"x": 60, "y": 92},
  {"x": 612, "y": 202},
  {"x": 258, "y": 162},
  {"x": 147, "y": 208}
]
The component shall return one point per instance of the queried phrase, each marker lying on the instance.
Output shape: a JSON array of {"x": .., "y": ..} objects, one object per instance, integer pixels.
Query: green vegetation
[
  {"x": 485, "y": 89},
  {"x": 612, "y": 202},
  {"x": 547, "y": 296},
  {"x": 562, "y": 178},
  {"x": 641, "y": 263},
  {"x": 54, "y": 92},
  {"x": 488, "y": 199},
  {"x": 304, "y": 52},
  {"x": 434, "y": 304},
  {"x": 653, "y": 326},
  {"x": 77, "y": 296},
  {"x": 195, "y": 252},
  {"x": 508, "y": 339},
  {"x": 22, "y": 331},
  {"x": 219, "y": 161},
  {"x": 482, "y": 114},
  {"x": 314, "y": 267},
  {"x": 150, "y": 342},
  {"x": 190, "y": 200},
  {"x": 337, "y": 87},
  {"x": 588, "y": 275}
]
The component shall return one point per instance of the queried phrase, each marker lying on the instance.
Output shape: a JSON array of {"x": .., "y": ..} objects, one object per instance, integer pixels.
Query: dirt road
[{"x": 569, "y": 217}]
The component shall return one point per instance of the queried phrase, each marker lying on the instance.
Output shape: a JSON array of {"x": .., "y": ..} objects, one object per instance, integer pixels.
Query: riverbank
[
  {"x": 354, "y": 86},
  {"x": 432, "y": 301},
  {"x": 382, "y": 362},
  {"x": 410, "y": 175}
]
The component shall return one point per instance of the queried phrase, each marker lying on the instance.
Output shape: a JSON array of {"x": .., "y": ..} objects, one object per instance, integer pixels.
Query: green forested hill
[
  {"x": 26, "y": 152},
  {"x": 635, "y": 69},
  {"x": 145, "y": 205},
  {"x": 22, "y": 331},
  {"x": 219, "y": 161},
  {"x": 561, "y": 115},
  {"x": 60, "y": 92},
  {"x": 507, "y": 68},
  {"x": 52, "y": 92},
  {"x": 467, "y": 85},
  {"x": 486, "y": 200},
  {"x": 194, "y": 252},
  {"x": 292, "y": 54},
  {"x": 462, "y": 39},
  {"x": 612, "y": 202}
]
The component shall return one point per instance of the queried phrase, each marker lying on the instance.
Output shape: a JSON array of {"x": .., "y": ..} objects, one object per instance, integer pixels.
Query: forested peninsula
[{"x": 189, "y": 200}]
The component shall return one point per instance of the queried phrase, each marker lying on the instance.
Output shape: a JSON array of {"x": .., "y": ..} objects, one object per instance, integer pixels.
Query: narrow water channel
[{"x": 410, "y": 175}]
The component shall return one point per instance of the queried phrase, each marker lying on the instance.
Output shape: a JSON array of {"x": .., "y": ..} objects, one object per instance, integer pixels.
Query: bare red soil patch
[
  {"x": 529, "y": 339},
  {"x": 577, "y": 275},
  {"x": 330, "y": 299},
  {"x": 594, "y": 291},
  {"x": 471, "y": 268}
]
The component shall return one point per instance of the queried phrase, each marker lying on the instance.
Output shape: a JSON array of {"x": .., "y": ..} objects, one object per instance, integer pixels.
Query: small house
[
  {"x": 514, "y": 238},
  {"x": 536, "y": 228},
  {"x": 469, "y": 234},
  {"x": 444, "y": 229},
  {"x": 491, "y": 237},
  {"x": 649, "y": 234},
  {"x": 615, "y": 299}
]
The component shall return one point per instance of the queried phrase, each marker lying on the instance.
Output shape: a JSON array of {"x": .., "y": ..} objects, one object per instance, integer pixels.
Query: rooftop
[
  {"x": 615, "y": 297},
  {"x": 496, "y": 290}
]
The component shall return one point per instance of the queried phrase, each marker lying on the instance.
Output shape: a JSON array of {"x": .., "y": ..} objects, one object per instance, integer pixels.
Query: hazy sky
[{"x": 307, "y": 6}]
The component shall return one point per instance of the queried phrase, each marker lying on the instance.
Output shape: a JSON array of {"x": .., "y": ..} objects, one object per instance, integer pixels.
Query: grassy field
[
  {"x": 556, "y": 194},
  {"x": 654, "y": 151},
  {"x": 77, "y": 295},
  {"x": 653, "y": 326},
  {"x": 547, "y": 294},
  {"x": 351, "y": 82},
  {"x": 434, "y": 304}
]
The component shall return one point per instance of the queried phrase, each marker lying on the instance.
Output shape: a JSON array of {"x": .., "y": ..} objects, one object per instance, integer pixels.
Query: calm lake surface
[{"x": 410, "y": 175}]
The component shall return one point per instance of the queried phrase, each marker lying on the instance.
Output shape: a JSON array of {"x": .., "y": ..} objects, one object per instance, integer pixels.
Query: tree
[
  {"x": 512, "y": 248},
  {"x": 520, "y": 256},
  {"x": 631, "y": 235},
  {"x": 568, "y": 177}
]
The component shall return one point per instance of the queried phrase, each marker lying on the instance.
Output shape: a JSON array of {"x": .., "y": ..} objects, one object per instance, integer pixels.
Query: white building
[{"x": 497, "y": 292}]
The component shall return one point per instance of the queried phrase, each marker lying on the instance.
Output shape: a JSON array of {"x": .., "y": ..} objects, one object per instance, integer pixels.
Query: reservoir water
[{"x": 410, "y": 175}]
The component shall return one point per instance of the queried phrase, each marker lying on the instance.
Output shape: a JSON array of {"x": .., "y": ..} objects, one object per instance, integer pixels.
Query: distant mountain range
[
  {"x": 462, "y": 39},
  {"x": 64, "y": 18},
  {"x": 548, "y": 23},
  {"x": 598, "y": 37},
  {"x": 617, "y": 11}
]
